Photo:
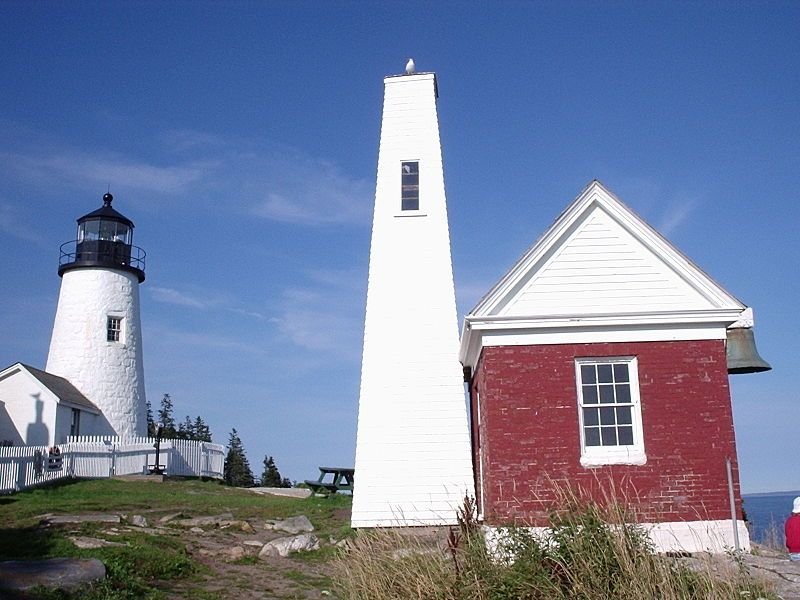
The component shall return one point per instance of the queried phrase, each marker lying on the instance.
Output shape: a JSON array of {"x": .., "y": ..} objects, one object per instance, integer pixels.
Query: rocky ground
[
  {"x": 249, "y": 560},
  {"x": 259, "y": 560},
  {"x": 287, "y": 559},
  {"x": 762, "y": 563},
  {"x": 229, "y": 553},
  {"x": 244, "y": 559}
]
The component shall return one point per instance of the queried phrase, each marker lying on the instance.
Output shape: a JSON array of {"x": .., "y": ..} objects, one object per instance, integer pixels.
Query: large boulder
[
  {"x": 287, "y": 545},
  {"x": 138, "y": 521},
  {"x": 85, "y": 542},
  {"x": 214, "y": 521},
  {"x": 52, "y": 573},
  {"x": 292, "y": 525}
]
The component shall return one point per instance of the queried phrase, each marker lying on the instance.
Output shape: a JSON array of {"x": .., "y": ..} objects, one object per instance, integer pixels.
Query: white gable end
[
  {"x": 601, "y": 268},
  {"x": 599, "y": 273}
]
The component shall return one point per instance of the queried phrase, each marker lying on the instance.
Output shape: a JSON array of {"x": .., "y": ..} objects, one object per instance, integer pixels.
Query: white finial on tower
[{"x": 410, "y": 67}]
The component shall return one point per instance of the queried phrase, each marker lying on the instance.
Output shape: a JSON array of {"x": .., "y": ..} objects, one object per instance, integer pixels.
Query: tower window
[
  {"x": 410, "y": 186},
  {"x": 114, "y": 329}
]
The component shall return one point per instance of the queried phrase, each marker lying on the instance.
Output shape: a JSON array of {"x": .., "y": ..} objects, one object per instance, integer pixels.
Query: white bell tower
[
  {"x": 413, "y": 463},
  {"x": 97, "y": 334}
]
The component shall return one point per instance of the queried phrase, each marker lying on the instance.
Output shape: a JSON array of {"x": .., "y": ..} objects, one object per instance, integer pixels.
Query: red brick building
[{"x": 599, "y": 361}]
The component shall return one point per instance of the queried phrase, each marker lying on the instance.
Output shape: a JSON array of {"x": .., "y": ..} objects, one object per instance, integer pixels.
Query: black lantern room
[{"x": 105, "y": 239}]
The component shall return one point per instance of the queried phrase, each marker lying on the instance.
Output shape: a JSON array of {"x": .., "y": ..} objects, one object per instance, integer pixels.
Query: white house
[{"x": 38, "y": 408}]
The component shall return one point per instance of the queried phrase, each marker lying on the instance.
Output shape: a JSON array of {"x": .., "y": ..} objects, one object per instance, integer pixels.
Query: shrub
[{"x": 589, "y": 552}]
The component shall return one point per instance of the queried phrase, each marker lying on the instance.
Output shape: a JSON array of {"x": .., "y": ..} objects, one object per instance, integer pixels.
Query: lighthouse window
[
  {"x": 410, "y": 186},
  {"x": 89, "y": 231},
  {"x": 609, "y": 411},
  {"x": 114, "y": 329}
]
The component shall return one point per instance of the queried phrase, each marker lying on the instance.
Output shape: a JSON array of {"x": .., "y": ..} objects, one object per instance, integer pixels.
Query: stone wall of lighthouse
[{"x": 109, "y": 373}]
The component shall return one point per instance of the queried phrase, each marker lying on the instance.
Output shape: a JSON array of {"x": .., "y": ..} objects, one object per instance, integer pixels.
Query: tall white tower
[
  {"x": 413, "y": 464},
  {"x": 97, "y": 334}
]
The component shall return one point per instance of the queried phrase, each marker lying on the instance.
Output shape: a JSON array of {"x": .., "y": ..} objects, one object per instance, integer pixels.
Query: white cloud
[
  {"x": 666, "y": 209},
  {"x": 118, "y": 171},
  {"x": 171, "y": 296},
  {"x": 280, "y": 183},
  {"x": 187, "y": 140},
  {"x": 12, "y": 224},
  {"x": 167, "y": 339},
  {"x": 201, "y": 300},
  {"x": 675, "y": 215},
  {"x": 314, "y": 328},
  {"x": 324, "y": 316},
  {"x": 309, "y": 191}
]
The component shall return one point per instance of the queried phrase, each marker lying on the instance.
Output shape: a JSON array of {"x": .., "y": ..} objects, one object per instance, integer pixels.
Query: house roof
[
  {"x": 600, "y": 266},
  {"x": 60, "y": 387}
]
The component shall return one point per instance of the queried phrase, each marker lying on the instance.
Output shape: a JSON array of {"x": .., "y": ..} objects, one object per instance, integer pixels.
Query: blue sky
[{"x": 241, "y": 138}]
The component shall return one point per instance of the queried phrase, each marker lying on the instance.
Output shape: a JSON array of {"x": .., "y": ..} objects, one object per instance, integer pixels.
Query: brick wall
[{"x": 529, "y": 431}]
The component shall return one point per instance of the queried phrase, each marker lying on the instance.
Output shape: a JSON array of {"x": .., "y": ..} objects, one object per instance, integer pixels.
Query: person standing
[{"x": 792, "y": 531}]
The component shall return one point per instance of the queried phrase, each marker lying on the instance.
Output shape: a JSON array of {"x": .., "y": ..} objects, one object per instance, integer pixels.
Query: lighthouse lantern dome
[
  {"x": 105, "y": 224},
  {"x": 104, "y": 239}
]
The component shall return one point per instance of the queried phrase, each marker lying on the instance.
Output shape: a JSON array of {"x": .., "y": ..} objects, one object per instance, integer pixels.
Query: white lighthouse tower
[
  {"x": 413, "y": 464},
  {"x": 97, "y": 335}
]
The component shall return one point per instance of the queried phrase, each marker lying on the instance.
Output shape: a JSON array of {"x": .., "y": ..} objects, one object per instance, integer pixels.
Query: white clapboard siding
[
  {"x": 603, "y": 268},
  {"x": 412, "y": 451},
  {"x": 599, "y": 274}
]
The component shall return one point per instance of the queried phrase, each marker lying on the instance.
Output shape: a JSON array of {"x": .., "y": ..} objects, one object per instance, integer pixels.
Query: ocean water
[{"x": 766, "y": 512}]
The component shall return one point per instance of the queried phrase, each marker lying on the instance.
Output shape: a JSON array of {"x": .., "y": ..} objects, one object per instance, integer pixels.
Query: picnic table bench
[{"x": 332, "y": 480}]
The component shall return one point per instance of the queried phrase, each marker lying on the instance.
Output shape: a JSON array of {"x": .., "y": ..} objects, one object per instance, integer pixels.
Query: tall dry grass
[
  {"x": 773, "y": 537},
  {"x": 590, "y": 552}
]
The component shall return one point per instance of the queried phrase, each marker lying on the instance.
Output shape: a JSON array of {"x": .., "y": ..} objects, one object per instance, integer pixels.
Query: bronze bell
[{"x": 742, "y": 353}]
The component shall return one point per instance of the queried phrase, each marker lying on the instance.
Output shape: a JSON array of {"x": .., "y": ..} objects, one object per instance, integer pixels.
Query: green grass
[
  {"x": 191, "y": 497},
  {"x": 308, "y": 581},
  {"x": 147, "y": 563}
]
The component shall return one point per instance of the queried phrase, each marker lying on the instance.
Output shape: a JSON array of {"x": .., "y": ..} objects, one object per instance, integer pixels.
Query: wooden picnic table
[{"x": 332, "y": 480}]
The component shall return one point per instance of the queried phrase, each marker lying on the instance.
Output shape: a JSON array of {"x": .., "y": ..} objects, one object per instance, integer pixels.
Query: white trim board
[
  {"x": 600, "y": 268},
  {"x": 673, "y": 536}
]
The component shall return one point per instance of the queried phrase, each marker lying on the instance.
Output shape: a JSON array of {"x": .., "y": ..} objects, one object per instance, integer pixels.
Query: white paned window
[
  {"x": 114, "y": 329},
  {"x": 609, "y": 411},
  {"x": 410, "y": 186}
]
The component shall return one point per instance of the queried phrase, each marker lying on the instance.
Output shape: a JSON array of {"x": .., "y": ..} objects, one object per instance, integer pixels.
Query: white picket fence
[{"x": 23, "y": 467}]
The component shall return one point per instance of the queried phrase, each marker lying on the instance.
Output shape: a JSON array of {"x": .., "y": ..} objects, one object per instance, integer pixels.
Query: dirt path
[
  {"x": 247, "y": 577},
  {"x": 229, "y": 550}
]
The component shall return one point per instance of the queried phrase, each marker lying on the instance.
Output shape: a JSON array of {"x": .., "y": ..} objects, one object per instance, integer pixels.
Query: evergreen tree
[
  {"x": 151, "y": 424},
  {"x": 202, "y": 432},
  {"x": 186, "y": 429},
  {"x": 165, "y": 417},
  {"x": 271, "y": 477},
  {"x": 237, "y": 468}
]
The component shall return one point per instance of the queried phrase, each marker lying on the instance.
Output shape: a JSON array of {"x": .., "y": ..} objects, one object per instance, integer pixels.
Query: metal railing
[{"x": 102, "y": 252}]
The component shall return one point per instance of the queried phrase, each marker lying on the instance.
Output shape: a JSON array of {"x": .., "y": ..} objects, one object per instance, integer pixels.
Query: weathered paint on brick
[{"x": 528, "y": 437}]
